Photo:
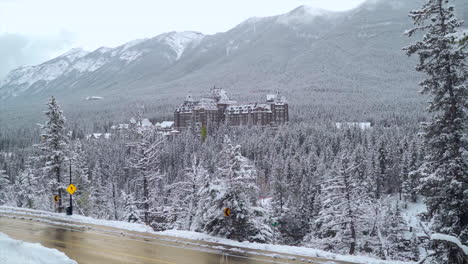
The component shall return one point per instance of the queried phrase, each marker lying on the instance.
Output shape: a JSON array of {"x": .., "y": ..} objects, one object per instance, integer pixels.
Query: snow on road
[
  {"x": 242, "y": 246},
  {"x": 15, "y": 251}
]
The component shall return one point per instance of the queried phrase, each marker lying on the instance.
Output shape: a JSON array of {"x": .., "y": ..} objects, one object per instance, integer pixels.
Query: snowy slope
[
  {"x": 15, "y": 251},
  {"x": 179, "y": 41},
  {"x": 77, "y": 62}
]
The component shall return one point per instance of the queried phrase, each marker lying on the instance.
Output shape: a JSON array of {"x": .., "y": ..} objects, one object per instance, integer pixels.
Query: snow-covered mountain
[
  {"x": 77, "y": 62},
  {"x": 351, "y": 59}
]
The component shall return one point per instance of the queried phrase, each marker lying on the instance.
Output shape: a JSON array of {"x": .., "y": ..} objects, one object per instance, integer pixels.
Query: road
[{"x": 104, "y": 245}]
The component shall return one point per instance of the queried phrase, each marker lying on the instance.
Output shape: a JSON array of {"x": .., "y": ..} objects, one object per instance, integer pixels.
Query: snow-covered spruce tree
[
  {"x": 131, "y": 213},
  {"x": 408, "y": 190},
  {"x": 24, "y": 188},
  {"x": 381, "y": 175},
  {"x": 342, "y": 218},
  {"x": 100, "y": 196},
  {"x": 80, "y": 175},
  {"x": 145, "y": 161},
  {"x": 184, "y": 194},
  {"x": 4, "y": 186},
  {"x": 398, "y": 244},
  {"x": 232, "y": 186},
  {"x": 53, "y": 150},
  {"x": 409, "y": 174},
  {"x": 444, "y": 172},
  {"x": 279, "y": 186}
]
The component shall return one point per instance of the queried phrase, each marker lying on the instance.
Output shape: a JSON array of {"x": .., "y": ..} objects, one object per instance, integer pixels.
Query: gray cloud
[{"x": 18, "y": 50}]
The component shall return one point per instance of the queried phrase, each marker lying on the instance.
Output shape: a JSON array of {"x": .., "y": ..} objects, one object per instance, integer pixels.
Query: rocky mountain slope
[{"x": 318, "y": 58}]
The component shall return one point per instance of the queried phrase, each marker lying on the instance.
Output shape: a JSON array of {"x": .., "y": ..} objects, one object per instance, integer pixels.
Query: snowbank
[
  {"x": 299, "y": 251},
  {"x": 76, "y": 218},
  {"x": 15, "y": 251}
]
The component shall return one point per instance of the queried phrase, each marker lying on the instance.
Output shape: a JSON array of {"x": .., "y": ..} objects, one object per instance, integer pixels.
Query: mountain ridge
[{"x": 352, "y": 59}]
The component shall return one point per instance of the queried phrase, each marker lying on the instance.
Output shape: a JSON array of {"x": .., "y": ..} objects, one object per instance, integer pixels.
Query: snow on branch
[{"x": 452, "y": 241}]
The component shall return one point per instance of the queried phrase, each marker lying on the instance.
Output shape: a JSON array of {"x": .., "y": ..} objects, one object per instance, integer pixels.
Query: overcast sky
[{"x": 32, "y": 31}]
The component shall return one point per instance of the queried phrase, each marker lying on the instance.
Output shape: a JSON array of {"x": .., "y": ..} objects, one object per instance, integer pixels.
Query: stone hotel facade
[{"x": 217, "y": 107}]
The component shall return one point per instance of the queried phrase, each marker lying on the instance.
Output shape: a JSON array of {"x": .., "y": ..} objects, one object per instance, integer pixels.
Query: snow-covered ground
[
  {"x": 240, "y": 246},
  {"x": 15, "y": 251},
  {"x": 411, "y": 215}
]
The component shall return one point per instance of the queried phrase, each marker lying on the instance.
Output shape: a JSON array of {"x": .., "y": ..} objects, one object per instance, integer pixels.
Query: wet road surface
[{"x": 90, "y": 246}]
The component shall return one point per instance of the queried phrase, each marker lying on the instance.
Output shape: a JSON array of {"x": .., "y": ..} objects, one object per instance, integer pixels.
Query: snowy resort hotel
[{"x": 216, "y": 107}]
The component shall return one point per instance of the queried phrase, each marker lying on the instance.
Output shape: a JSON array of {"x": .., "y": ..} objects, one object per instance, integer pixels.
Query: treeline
[{"x": 321, "y": 187}]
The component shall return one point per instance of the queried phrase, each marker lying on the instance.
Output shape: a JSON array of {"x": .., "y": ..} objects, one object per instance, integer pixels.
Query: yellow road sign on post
[
  {"x": 227, "y": 211},
  {"x": 56, "y": 198},
  {"x": 71, "y": 189}
]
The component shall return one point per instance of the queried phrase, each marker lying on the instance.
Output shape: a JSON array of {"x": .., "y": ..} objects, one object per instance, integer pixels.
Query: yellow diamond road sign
[
  {"x": 71, "y": 189},
  {"x": 227, "y": 211}
]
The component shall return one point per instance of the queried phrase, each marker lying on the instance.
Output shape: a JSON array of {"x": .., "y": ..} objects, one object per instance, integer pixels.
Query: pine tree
[
  {"x": 99, "y": 195},
  {"x": 184, "y": 193},
  {"x": 397, "y": 246},
  {"x": 381, "y": 175},
  {"x": 145, "y": 160},
  {"x": 4, "y": 186},
  {"x": 232, "y": 186},
  {"x": 445, "y": 170},
  {"x": 407, "y": 189},
  {"x": 131, "y": 212},
  {"x": 24, "y": 188},
  {"x": 53, "y": 149},
  {"x": 80, "y": 175},
  {"x": 342, "y": 217},
  {"x": 279, "y": 187},
  {"x": 410, "y": 174}
]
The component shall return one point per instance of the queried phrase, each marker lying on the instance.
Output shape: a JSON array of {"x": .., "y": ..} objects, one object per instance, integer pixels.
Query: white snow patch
[
  {"x": 360, "y": 125},
  {"x": 121, "y": 49},
  {"x": 130, "y": 55},
  {"x": 179, "y": 41},
  {"x": 302, "y": 15},
  {"x": 146, "y": 123},
  {"x": 31, "y": 74},
  {"x": 93, "y": 98},
  {"x": 450, "y": 239},
  {"x": 412, "y": 212},
  {"x": 103, "y": 50},
  {"x": 89, "y": 65},
  {"x": 132, "y": 43},
  {"x": 74, "y": 54},
  {"x": 167, "y": 124},
  {"x": 15, "y": 251}
]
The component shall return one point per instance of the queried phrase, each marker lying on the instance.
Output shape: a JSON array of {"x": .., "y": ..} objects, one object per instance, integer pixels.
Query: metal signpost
[
  {"x": 274, "y": 224},
  {"x": 71, "y": 189}
]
